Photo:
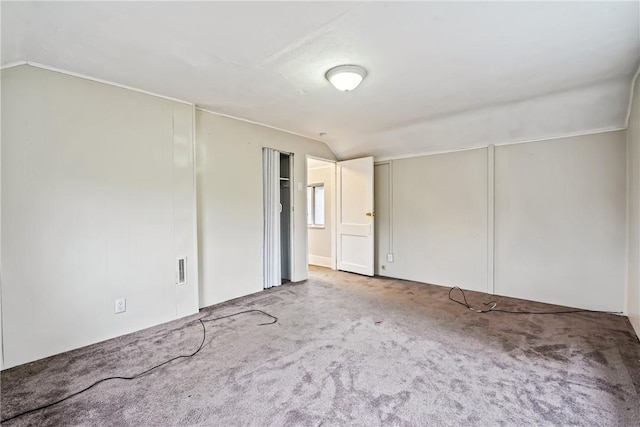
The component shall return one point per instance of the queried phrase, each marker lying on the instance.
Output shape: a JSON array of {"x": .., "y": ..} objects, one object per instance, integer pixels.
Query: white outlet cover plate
[{"x": 121, "y": 305}]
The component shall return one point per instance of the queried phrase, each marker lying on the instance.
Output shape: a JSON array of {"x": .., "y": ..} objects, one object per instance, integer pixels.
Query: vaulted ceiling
[{"x": 442, "y": 76}]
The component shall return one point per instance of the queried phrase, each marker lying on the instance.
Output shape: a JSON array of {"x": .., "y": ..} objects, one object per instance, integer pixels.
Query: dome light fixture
[{"x": 346, "y": 77}]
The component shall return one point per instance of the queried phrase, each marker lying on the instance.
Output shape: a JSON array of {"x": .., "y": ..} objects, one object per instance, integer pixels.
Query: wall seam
[
  {"x": 627, "y": 227},
  {"x": 391, "y": 208},
  {"x": 491, "y": 220},
  {"x": 627, "y": 302},
  {"x": 196, "y": 255},
  {"x": 173, "y": 207}
]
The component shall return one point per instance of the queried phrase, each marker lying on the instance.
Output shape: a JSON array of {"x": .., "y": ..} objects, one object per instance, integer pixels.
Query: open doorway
[{"x": 321, "y": 248}]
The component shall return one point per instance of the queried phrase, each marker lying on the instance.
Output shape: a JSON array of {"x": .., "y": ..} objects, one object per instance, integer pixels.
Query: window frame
[{"x": 312, "y": 206}]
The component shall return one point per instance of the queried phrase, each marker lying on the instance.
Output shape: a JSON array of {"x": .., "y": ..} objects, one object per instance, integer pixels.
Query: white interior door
[{"x": 354, "y": 191}]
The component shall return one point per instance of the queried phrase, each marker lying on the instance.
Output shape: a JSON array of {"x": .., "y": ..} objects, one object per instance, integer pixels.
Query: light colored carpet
[{"x": 349, "y": 350}]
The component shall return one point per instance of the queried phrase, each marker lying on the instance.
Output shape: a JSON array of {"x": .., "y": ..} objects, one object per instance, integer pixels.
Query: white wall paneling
[
  {"x": 560, "y": 214},
  {"x": 229, "y": 177},
  {"x": 439, "y": 218},
  {"x": 543, "y": 221},
  {"x": 97, "y": 204}
]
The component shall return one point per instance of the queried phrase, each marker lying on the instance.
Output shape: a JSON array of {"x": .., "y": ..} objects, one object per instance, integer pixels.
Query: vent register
[{"x": 181, "y": 274}]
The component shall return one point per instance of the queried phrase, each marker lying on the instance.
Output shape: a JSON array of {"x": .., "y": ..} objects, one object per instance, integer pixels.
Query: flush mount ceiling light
[{"x": 346, "y": 77}]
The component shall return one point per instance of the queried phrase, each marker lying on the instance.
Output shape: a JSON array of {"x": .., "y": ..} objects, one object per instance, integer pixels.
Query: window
[{"x": 315, "y": 205}]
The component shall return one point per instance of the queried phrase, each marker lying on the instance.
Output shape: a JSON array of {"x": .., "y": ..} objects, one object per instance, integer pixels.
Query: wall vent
[{"x": 181, "y": 276}]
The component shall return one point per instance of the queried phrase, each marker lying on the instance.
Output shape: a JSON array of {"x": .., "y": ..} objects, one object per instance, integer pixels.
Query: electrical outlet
[
  {"x": 390, "y": 257},
  {"x": 121, "y": 305}
]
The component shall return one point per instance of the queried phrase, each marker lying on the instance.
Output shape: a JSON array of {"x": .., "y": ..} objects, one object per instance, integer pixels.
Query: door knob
[{"x": 370, "y": 214}]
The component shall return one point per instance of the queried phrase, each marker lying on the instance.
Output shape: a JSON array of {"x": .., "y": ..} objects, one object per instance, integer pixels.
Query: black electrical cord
[
  {"x": 146, "y": 371},
  {"x": 493, "y": 305}
]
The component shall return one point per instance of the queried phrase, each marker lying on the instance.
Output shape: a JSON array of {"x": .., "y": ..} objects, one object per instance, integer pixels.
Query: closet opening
[{"x": 286, "y": 219}]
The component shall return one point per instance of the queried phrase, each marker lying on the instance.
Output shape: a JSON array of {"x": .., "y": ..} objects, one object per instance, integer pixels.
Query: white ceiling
[{"x": 442, "y": 76}]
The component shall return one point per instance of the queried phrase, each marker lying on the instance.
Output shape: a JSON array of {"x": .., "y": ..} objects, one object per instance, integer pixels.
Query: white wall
[
  {"x": 554, "y": 220},
  {"x": 230, "y": 220},
  {"x": 98, "y": 201},
  {"x": 321, "y": 238},
  {"x": 439, "y": 219},
  {"x": 633, "y": 158},
  {"x": 560, "y": 221}
]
